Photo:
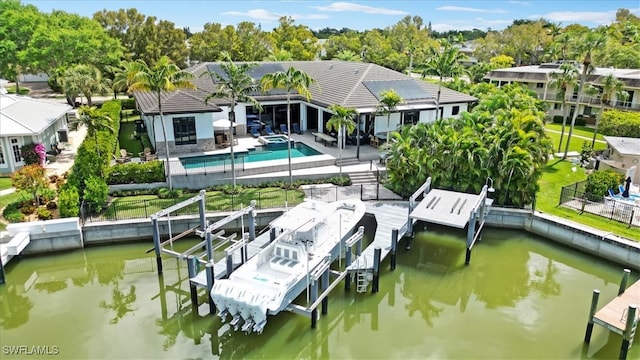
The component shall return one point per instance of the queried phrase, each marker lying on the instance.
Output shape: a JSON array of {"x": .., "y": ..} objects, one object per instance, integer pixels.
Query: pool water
[{"x": 260, "y": 153}]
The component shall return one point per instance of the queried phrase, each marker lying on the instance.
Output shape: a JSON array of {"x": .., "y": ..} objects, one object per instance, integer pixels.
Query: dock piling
[
  {"x": 252, "y": 222},
  {"x": 210, "y": 281},
  {"x": 325, "y": 286},
  {"x": 623, "y": 282},
  {"x": 347, "y": 278},
  {"x": 394, "y": 247},
  {"x": 2, "y": 279},
  {"x": 629, "y": 331},
  {"x": 209, "y": 246},
  {"x": 229, "y": 264},
  {"x": 156, "y": 242},
  {"x": 592, "y": 312},
  {"x": 192, "y": 269},
  {"x": 375, "y": 287}
]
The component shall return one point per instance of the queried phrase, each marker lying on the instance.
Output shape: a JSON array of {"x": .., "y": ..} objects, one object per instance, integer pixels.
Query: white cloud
[
  {"x": 604, "y": 17},
  {"x": 523, "y": 3},
  {"x": 477, "y": 23},
  {"x": 268, "y": 16},
  {"x": 345, "y": 6},
  {"x": 470, "y": 9}
]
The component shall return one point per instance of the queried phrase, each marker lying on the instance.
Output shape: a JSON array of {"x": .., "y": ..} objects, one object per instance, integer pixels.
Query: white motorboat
[{"x": 266, "y": 284}]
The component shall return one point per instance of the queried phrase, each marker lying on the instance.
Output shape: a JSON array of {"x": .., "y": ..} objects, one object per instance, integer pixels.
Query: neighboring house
[
  {"x": 622, "y": 155},
  {"x": 537, "y": 78},
  {"x": 350, "y": 84},
  {"x": 25, "y": 120}
]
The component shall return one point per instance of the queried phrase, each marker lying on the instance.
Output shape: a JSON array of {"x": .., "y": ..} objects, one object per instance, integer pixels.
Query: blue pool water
[{"x": 260, "y": 153}]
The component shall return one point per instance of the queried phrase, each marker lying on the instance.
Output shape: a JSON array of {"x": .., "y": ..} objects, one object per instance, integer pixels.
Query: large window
[
  {"x": 410, "y": 117},
  {"x": 2, "y": 161},
  {"x": 184, "y": 130},
  {"x": 15, "y": 149}
]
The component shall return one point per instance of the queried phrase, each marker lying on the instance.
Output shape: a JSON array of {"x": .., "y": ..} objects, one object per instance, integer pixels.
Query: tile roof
[
  {"x": 22, "y": 115},
  {"x": 337, "y": 82}
]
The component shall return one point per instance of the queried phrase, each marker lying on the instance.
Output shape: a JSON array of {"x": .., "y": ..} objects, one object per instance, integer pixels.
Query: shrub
[
  {"x": 27, "y": 209},
  {"x": 599, "y": 182},
  {"x": 30, "y": 155},
  {"x": 69, "y": 202},
  {"x": 96, "y": 193},
  {"x": 620, "y": 123},
  {"x": 340, "y": 180},
  {"x": 47, "y": 194},
  {"x": 146, "y": 141},
  {"x": 140, "y": 173},
  {"x": 52, "y": 205},
  {"x": 44, "y": 214},
  {"x": 12, "y": 213},
  {"x": 128, "y": 104},
  {"x": 557, "y": 119},
  {"x": 165, "y": 193}
]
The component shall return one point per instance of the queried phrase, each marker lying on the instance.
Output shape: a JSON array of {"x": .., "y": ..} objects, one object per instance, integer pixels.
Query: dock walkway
[
  {"x": 613, "y": 315},
  {"x": 388, "y": 216}
]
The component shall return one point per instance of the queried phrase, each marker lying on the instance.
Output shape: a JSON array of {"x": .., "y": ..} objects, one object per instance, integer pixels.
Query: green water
[{"x": 521, "y": 297}]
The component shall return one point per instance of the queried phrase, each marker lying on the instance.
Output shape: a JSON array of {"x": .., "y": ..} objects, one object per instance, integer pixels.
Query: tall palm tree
[
  {"x": 593, "y": 39},
  {"x": 389, "y": 101},
  {"x": 564, "y": 80},
  {"x": 291, "y": 80},
  {"x": 612, "y": 89},
  {"x": 443, "y": 62},
  {"x": 342, "y": 122},
  {"x": 123, "y": 76},
  {"x": 236, "y": 85},
  {"x": 94, "y": 120},
  {"x": 164, "y": 76}
]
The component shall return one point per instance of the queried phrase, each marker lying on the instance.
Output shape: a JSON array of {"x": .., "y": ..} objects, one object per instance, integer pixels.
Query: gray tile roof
[
  {"x": 22, "y": 115},
  {"x": 337, "y": 82}
]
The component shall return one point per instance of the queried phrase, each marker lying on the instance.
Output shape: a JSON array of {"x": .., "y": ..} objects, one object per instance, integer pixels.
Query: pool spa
[
  {"x": 275, "y": 141},
  {"x": 260, "y": 153}
]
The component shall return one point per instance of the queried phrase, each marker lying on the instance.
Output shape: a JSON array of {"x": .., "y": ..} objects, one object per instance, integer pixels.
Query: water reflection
[{"x": 15, "y": 308}]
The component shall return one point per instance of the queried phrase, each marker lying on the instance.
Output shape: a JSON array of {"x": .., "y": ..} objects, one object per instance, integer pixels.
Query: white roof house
[
  {"x": 25, "y": 120},
  {"x": 623, "y": 156}
]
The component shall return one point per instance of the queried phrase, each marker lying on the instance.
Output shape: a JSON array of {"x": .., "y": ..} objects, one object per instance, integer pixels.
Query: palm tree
[
  {"x": 236, "y": 85},
  {"x": 123, "y": 76},
  {"x": 84, "y": 80},
  {"x": 389, "y": 101},
  {"x": 593, "y": 39},
  {"x": 443, "y": 62},
  {"x": 94, "y": 120},
  {"x": 612, "y": 89},
  {"x": 342, "y": 122},
  {"x": 564, "y": 80},
  {"x": 164, "y": 76},
  {"x": 290, "y": 80}
]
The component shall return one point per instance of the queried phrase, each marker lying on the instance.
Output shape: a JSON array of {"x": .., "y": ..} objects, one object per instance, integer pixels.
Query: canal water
[{"x": 521, "y": 297}]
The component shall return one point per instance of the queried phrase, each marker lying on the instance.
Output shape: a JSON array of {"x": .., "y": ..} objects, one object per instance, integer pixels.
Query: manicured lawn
[
  {"x": 5, "y": 183},
  {"x": 144, "y": 205},
  {"x": 23, "y": 90},
  {"x": 579, "y": 136},
  {"x": 127, "y": 140},
  {"x": 7, "y": 199},
  {"x": 557, "y": 174}
]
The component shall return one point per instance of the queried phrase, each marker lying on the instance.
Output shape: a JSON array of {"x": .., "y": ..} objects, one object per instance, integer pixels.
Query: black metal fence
[
  {"x": 618, "y": 209},
  {"x": 267, "y": 199}
]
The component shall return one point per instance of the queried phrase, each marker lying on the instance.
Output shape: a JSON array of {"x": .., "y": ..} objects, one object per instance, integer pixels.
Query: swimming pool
[
  {"x": 275, "y": 141},
  {"x": 261, "y": 153}
]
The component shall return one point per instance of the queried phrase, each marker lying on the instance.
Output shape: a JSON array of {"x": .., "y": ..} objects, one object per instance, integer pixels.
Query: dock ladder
[{"x": 363, "y": 276}]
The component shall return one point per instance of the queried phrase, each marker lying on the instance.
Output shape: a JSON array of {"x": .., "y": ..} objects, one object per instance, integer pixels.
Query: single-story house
[
  {"x": 25, "y": 120},
  {"x": 188, "y": 119},
  {"x": 622, "y": 155}
]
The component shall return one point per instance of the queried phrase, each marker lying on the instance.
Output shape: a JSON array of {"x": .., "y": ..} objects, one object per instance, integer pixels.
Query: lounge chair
[
  {"x": 268, "y": 130},
  {"x": 221, "y": 142},
  {"x": 125, "y": 156},
  {"x": 255, "y": 132},
  {"x": 283, "y": 129},
  {"x": 296, "y": 128}
]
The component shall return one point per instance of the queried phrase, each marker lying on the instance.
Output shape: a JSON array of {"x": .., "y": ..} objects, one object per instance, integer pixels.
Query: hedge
[
  {"x": 620, "y": 123},
  {"x": 129, "y": 173}
]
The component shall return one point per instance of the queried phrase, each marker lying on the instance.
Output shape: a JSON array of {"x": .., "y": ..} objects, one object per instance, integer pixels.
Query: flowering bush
[{"x": 41, "y": 151}]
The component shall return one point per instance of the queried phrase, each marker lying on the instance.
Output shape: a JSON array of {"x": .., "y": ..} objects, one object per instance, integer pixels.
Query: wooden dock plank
[{"x": 612, "y": 313}]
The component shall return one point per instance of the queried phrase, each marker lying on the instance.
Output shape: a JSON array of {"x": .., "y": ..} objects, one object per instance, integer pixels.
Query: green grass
[
  {"x": 5, "y": 183},
  {"x": 579, "y": 136},
  {"x": 127, "y": 140},
  {"x": 23, "y": 90},
  {"x": 7, "y": 199},
  {"x": 557, "y": 174}
]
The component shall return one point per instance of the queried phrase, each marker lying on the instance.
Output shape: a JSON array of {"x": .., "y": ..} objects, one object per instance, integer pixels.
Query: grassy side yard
[
  {"x": 557, "y": 174},
  {"x": 5, "y": 183},
  {"x": 579, "y": 136},
  {"x": 7, "y": 199},
  {"x": 144, "y": 205}
]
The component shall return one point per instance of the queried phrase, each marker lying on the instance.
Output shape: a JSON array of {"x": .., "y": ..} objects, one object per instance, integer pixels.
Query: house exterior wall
[{"x": 204, "y": 133}]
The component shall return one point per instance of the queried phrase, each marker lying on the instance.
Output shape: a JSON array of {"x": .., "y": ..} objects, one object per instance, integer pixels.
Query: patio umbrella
[
  {"x": 223, "y": 124},
  {"x": 627, "y": 187}
]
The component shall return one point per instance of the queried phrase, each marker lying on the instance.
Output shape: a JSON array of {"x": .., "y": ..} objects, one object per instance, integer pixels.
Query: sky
[{"x": 358, "y": 15}]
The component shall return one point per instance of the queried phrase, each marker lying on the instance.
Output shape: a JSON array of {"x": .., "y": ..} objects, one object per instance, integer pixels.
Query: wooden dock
[{"x": 613, "y": 316}]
